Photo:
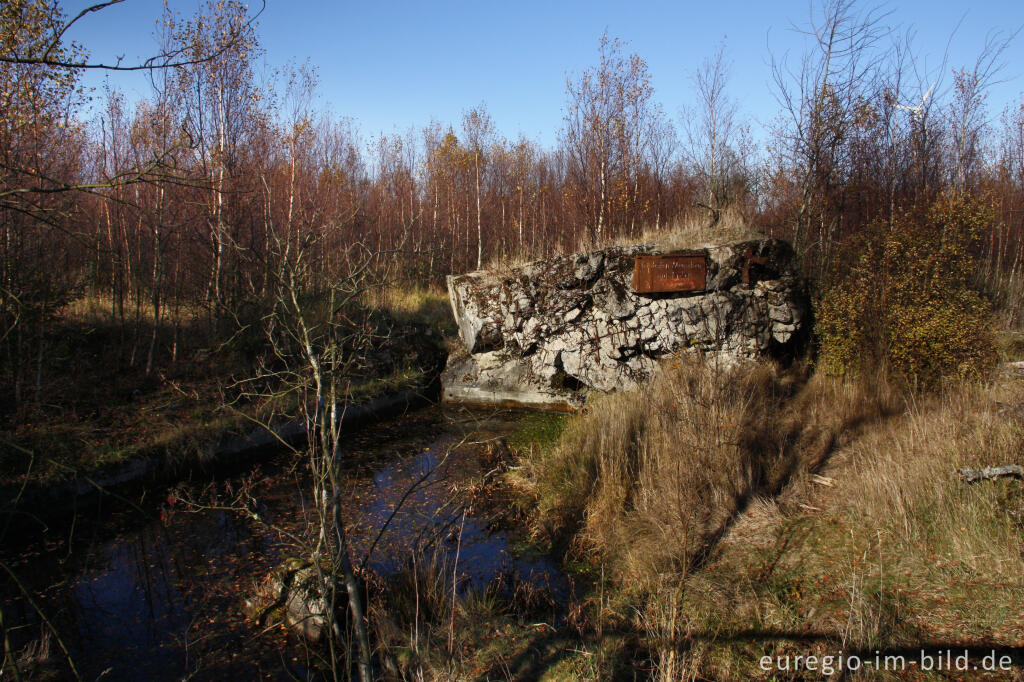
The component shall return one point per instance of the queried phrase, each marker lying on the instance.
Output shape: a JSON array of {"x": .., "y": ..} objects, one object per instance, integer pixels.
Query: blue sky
[{"x": 392, "y": 65}]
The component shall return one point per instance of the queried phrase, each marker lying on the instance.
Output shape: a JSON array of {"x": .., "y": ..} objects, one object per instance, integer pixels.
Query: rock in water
[
  {"x": 546, "y": 333},
  {"x": 294, "y": 593}
]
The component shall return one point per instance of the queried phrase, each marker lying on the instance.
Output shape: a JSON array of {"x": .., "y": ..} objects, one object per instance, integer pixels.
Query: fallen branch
[{"x": 973, "y": 476}]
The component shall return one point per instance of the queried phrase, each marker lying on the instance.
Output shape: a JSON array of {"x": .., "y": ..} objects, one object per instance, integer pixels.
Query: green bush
[{"x": 902, "y": 297}]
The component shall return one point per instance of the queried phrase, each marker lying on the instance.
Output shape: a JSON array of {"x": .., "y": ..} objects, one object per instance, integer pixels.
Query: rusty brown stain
[{"x": 670, "y": 272}]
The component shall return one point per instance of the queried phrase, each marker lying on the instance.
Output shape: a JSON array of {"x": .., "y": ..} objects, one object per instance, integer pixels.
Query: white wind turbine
[{"x": 918, "y": 111}]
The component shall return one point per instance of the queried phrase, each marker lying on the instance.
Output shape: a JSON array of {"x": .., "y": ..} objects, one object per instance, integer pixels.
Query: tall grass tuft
[
  {"x": 653, "y": 477},
  {"x": 657, "y": 480}
]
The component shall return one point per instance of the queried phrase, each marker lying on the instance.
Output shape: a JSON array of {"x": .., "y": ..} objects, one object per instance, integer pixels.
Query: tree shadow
[{"x": 545, "y": 651}]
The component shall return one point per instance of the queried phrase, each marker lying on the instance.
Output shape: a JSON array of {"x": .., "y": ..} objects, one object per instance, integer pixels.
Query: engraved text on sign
[{"x": 670, "y": 272}]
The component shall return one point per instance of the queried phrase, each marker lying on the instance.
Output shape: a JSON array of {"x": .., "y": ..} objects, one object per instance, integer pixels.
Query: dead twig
[{"x": 1011, "y": 470}]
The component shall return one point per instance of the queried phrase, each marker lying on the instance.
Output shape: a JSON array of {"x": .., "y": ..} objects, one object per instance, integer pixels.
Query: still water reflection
[{"x": 153, "y": 592}]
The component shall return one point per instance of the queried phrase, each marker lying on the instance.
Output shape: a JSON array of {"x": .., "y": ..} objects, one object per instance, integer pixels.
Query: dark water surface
[{"x": 154, "y": 591}]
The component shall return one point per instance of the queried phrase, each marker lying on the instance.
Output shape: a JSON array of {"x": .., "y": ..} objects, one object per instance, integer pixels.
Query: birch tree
[{"x": 605, "y": 133}]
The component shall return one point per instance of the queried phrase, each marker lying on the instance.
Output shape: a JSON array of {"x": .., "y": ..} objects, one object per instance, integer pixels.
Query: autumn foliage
[
  {"x": 181, "y": 210},
  {"x": 904, "y": 297}
]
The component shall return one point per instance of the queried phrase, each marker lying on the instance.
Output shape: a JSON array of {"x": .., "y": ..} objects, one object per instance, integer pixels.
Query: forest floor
[{"x": 97, "y": 407}]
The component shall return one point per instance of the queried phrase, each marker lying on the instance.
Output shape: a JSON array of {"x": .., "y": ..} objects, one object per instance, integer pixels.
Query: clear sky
[{"x": 391, "y": 65}]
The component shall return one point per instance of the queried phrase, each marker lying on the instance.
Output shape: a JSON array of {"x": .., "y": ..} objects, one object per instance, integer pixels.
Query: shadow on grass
[{"x": 566, "y": 652}]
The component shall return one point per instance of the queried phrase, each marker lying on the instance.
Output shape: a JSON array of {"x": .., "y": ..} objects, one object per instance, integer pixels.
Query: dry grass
[
  {"x": 429, "y": 628},
  {"x": 99, "y": 408},
  {"x": 752, "y": 513},
  {"x": 886, "y": 549},
  {"x": 696, "y": 230},
  {"x": 408, "y": 300},
  {"x": 102, "y": 308},
  {"x": 414, "y": 304},
  {"x": 656, "y": 476},
  {"x": 889, "y": 550}
]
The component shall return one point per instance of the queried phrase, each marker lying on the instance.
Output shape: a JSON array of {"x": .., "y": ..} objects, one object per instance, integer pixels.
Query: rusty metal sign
[{"x": 670, "y": 272}]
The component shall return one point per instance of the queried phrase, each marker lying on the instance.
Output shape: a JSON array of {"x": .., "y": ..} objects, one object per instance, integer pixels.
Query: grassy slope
[
  {"x": 889, "y": 550},
  {"x": 745, "y": 514}
]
